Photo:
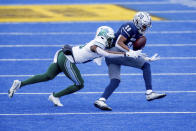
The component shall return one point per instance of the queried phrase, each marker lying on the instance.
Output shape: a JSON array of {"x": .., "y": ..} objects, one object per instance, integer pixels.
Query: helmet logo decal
[
  {"x": 103, "y": 32},
  {"x": 141, "y": 16}
]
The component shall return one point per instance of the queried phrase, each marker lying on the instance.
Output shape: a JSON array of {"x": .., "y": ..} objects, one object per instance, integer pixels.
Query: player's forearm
[
  {"x": 120, "y": 43},
  {"x": 110, "y": 54},
  {"x": 122, "y": 46}
]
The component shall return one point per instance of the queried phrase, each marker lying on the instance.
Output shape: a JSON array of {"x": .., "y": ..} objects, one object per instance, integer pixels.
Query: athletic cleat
[
  {"x": 154, "y": 95},
  {"x": 15, "y": 86},
  {"x": 55, "y": 100},
  {"x": 102, "y": 105}
]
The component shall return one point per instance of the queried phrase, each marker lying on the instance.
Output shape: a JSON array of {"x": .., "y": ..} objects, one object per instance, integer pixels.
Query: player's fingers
[
  {"x": 157, "y": 58},
  {"x": 155, "y": 55}
]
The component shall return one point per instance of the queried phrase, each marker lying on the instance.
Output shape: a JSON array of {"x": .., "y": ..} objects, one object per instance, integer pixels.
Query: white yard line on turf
[
  {"x": 95, "y": 113},
  {"x": 88, "y": 33},
  {"x": 78, "y": 22},
  {"x": 176, "y": 21},
  {"x": 50, "y": 59},
  {"x": 123, "y": 74},
  {"x": 172, "y": 11},
  {"x": 47, "y": 33},
  {"x": 178, "y": 58},
  {"x": 36, "y": 59},
  {"x": 169, "y": 45},
  {"x": 83, "y": 93},
  {"x": 44, "y": 45},
  {"x": 60, "y": 45},
  {"x": 189, "y": 3}
]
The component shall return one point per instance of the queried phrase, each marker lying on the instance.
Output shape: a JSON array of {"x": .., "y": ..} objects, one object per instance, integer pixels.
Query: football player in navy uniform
[
  {"x": 65, "y": 61},
  {"x": 128, "y": 33}
]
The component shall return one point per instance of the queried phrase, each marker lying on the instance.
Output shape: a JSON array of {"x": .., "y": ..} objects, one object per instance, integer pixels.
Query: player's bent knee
[
  {"x": 116, "y": 80},
  {"x": 80, "y": 86},
  {"x": 146, "y": 65},
  {"x": 50, "y": 77}
]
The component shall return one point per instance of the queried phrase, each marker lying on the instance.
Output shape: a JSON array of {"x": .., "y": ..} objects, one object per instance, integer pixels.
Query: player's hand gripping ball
[{"x": 139, "y": 43}]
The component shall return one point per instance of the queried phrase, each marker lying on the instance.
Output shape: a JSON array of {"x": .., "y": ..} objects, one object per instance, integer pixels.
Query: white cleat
[
  {"x": 100, "y": 103},
  {"x": 55, "y": 100},
  {"x": 15, "y": 86},
  {"x": 154, "y": 95}
]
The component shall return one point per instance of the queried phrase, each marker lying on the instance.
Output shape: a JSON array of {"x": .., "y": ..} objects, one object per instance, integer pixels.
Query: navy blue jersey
[{"x": 129, "y": 31}]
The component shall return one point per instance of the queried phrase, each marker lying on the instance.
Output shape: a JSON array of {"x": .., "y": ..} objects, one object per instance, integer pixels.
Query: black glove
[{"x": 67, "y": 50}]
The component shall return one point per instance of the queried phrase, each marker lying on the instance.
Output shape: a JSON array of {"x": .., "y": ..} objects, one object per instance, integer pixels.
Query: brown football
[{"x": 139, "y": 43}]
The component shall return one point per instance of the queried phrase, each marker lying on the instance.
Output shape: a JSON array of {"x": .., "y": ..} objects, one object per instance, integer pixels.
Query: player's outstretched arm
[
  {"x": 106, "y": 53},
  {"x": 155, "y": 57}
]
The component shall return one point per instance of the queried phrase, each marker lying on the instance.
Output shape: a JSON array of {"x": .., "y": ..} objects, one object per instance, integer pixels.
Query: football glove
[
  {"x": 135, "y": 54},
  {"x": 155, "y": 57},
  {"x": 98, "y": 61}
]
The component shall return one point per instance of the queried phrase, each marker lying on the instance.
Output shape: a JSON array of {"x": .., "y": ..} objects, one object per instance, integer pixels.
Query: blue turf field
[{"x": 28, "y": 48}]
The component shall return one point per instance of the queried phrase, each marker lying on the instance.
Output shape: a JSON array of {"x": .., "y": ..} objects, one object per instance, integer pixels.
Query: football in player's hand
[{"x": 139, "y": 43}]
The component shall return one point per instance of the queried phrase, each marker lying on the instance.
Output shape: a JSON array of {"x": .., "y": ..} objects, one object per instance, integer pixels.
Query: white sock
[
  {"x": 148, "y": 91},
  {"x": 102, "y": 99}
]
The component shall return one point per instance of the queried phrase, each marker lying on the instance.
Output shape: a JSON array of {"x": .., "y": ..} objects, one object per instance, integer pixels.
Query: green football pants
[{"x": 62, "y": 65}]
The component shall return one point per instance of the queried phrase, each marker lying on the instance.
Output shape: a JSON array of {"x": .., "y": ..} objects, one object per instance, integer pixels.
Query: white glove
[
  {"x": 155, "y": 57},
  {"x": 98, "y": 61},
  {"x": 135, "y": 54}
]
